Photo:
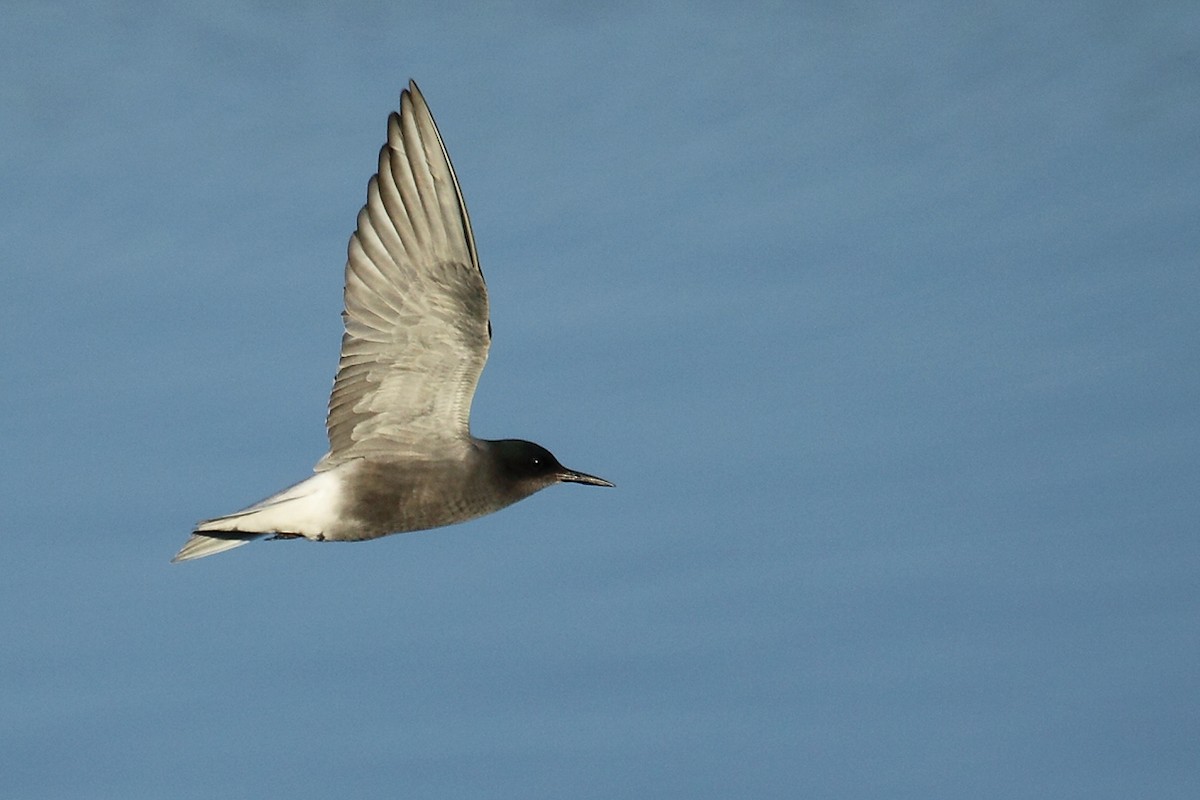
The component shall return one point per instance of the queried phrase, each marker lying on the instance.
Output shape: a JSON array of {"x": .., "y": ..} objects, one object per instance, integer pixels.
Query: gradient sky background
[{"x": 883, "y": 318}]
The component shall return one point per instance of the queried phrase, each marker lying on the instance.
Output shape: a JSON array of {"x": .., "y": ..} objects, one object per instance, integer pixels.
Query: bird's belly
[{"x": 385, "y": 499}]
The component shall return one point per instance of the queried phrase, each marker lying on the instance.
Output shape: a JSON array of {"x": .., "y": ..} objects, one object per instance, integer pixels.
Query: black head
[{"x": 526, "y": 462}]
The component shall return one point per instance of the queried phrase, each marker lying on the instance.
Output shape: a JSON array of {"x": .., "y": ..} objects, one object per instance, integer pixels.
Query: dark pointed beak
[{"x": 571, "y": 476}]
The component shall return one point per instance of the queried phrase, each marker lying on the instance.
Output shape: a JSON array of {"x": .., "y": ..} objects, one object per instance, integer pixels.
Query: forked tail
[
  {"x": 207, "y": 544},
  {"x": 305, "y": 509}
]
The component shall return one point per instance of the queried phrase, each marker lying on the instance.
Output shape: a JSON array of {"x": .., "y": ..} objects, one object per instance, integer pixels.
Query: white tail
[
  {"x": 305, "y": 509},
  {"x": 199, "y": 545}
]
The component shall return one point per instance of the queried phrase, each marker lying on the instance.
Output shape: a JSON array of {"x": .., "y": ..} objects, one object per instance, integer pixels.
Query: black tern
[{"x": 401, "y": 455}]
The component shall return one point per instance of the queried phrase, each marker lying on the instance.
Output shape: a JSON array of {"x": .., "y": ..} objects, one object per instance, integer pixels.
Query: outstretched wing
[{"x": 416, "y": 315}]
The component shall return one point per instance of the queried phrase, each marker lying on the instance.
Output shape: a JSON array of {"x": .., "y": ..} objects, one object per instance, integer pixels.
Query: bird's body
[{"x": 401, "y": 455}]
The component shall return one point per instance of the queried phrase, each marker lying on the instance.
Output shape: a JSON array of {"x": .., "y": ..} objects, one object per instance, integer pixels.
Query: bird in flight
[{"x": 401, "y": 454}]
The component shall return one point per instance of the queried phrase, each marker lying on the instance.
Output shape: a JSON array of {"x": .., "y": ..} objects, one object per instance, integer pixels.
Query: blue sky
[{"x": 883, "y": 318}]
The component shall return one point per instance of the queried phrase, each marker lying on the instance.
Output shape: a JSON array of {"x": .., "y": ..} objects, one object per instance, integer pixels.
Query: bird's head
[{"x": 533, "y": 467}]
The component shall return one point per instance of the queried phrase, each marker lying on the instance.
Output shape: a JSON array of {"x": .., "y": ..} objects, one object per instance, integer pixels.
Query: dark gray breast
[{"x": 394, "y": 496}]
